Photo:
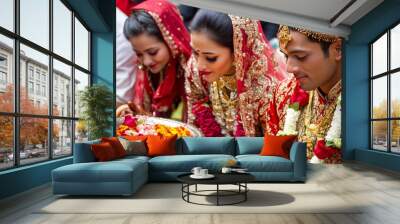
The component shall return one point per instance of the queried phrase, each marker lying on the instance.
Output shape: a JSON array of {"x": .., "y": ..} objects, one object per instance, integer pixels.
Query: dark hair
[
  {"x": 217, "y": 25},
  {"x": 141, "y": 22},
  {"x": 324, "y": 45},
  {"x": 187, "y": 12}
]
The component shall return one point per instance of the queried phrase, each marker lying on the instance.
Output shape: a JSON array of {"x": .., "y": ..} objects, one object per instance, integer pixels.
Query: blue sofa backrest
[
  {"x": 249, "y": 145},
  {"x": 190, "y": 146},
  {"x": 83, "y": 153},
  {"x": 206, "y": 145}
]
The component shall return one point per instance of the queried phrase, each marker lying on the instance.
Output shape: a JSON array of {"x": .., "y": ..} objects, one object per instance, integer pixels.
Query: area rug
[{"x": 167, "y": 198}]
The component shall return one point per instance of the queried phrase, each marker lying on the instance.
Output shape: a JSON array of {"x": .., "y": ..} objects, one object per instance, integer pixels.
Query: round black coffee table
[{"x": 238, "y": 179}]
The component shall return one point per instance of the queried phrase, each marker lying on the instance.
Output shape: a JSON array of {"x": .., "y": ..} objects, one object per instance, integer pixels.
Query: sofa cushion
[
  {"x": 207, "y": 145},
  {"x": 257, "y": 163},
  {"x": 93, "y": 172},
  {"x": 83, "y": 152},
  {"x": 132, "y": 158},
  {"x": 185, "y": 163},
  {"x": 112, "y": 171},
  {"x": 249, "y": 145}
]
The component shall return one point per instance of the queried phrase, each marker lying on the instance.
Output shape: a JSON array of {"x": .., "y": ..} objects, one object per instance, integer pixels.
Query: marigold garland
[{"x": 133, "y": 126}]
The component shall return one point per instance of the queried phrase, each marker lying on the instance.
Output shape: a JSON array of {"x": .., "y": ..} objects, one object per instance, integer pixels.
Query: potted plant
[{"x": 96, "y": 103}]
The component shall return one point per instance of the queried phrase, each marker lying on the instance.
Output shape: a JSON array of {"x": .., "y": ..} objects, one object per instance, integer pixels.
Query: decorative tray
[{"x": 147, "y": 125}]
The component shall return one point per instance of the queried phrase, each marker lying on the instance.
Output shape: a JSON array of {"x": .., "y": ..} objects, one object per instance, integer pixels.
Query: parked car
[
  {"x": 22, "y": 155},
  {"x": 10, "y": 156},
  {"x": 57, "y": 152}
]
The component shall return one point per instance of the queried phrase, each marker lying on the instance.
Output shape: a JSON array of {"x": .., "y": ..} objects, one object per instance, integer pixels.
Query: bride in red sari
[
  {"x": 158, "y": 36},
  {"x": 230, "y": 75}
]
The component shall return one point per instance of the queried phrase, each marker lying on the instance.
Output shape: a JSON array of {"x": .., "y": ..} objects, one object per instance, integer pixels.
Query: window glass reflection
[
  {"x": 35, "y": 21},
  {"x": 34, "y": 73}
]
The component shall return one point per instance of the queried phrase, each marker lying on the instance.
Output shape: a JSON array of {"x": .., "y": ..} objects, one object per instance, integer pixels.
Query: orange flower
[
  {"x": 121, "y": 130},
  {"x": 170, "y": 131},
  {"x": 160, "y": 129}
]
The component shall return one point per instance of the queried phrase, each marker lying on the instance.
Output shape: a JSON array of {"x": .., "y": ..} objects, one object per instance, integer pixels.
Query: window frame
[
  {"x": 16, "y": 114},
  {"x": 388, "y": 74}
]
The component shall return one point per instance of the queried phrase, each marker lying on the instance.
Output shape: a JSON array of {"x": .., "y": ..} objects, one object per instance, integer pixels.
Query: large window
[
  {"x": 385, "y": 93},
  {"x": 44, "y": 64}
]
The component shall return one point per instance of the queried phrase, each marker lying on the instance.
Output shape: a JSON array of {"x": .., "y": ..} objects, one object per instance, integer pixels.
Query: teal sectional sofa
[{"x": 125, "y": 176}]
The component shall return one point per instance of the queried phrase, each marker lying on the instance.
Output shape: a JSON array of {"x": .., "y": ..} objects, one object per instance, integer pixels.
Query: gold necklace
[
  {"x": 309, "y": 130},
  {"x": 224, "y": 101}
]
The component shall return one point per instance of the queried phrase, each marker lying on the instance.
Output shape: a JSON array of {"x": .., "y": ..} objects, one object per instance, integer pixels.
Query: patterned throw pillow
[{"x": 137, "y": 147}]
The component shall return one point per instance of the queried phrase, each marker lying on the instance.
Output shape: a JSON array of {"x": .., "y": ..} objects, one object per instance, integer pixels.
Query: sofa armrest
[
  {"x": 83, "y": 152},
  {"x": 299, "y": 158}
]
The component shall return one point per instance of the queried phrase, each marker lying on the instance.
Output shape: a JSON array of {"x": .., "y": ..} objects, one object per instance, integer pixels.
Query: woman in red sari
[
  {"x": 230, "y": 75},
  {"x": 158, "y": 36}
]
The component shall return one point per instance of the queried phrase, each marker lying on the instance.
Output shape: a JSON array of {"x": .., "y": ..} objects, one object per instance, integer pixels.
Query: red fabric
[
  {"x": 116, "y": 145},
  {"x": 322, "y": 151},
  {"x": 125, "y": 6},
  {"x": 277, "y": 145},
  {"x": 239, "y": 130},
  {"x": 103, "y": 152},
  {"x": 169, "y": 21},
  {"x": 276, "y": 109},
  {"x": 299, "y": 96},
  {"x": 206, "y": 121},
  {"x": 161, "y": 145},
  {"x": 273, "y": 119},
  {"x": 272, "y": 64}
]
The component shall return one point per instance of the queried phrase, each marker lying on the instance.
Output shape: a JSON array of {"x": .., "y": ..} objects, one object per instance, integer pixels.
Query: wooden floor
[{"x": 377, "y": 188}]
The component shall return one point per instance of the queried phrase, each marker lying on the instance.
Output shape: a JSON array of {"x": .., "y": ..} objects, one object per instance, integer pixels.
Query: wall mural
[{"x": 195, "y": 72}]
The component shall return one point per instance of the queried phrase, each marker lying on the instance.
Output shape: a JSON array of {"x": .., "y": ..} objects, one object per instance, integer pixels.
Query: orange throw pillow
[
  {"x": 103, "y": 152},
  {"x": 161, "y": 145},
  {"x": 277, "y": 145},
  {"x": 116, "y": 145}
]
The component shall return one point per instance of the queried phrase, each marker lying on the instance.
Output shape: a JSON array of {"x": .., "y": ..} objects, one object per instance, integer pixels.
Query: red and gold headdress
[
  {"x": 284, "y": 35},
  {"x": 170, "y": 23}
]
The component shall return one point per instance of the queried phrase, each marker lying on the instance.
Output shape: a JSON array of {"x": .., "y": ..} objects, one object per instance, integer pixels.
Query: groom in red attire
[{"x": 315, "y": 60}]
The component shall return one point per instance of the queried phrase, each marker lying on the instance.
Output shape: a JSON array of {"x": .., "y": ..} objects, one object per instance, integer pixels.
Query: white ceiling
[
  {"x": 328, "y": 16},
  {"x": 320, "y": 9}
]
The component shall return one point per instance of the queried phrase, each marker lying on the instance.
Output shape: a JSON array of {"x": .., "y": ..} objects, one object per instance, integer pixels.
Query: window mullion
[
  {"x": 50, "y": 81},
  {"x": 73, "y": 82},
  {"x": 389, "y": 106},
  {"x": 371, "y": 96},
  {"x": 16, "y": 84}
]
